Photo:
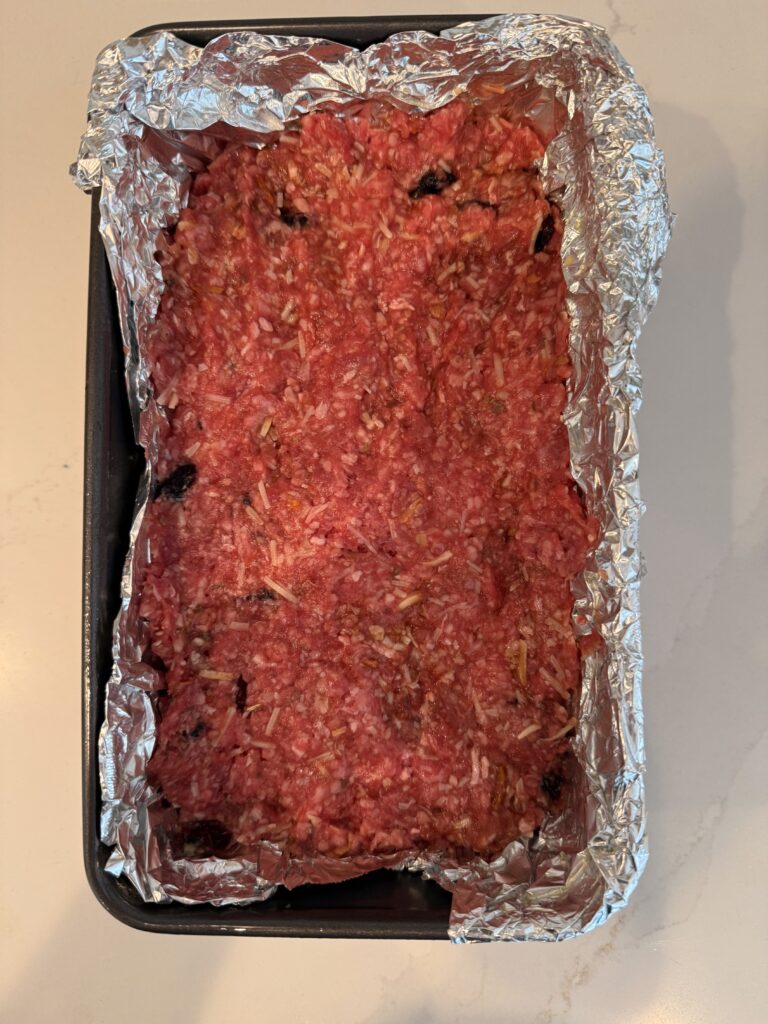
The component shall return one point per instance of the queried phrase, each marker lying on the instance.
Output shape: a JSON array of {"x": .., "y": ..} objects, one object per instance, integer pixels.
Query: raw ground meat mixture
[{"x": 363, "y": 528}]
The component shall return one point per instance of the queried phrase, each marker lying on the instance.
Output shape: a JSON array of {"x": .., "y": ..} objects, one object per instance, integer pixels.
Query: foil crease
[{"x": 158, "y": 108}]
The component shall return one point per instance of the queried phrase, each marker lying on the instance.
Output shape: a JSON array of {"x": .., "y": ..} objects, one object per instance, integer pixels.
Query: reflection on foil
[{"x": 158, "y": 109}]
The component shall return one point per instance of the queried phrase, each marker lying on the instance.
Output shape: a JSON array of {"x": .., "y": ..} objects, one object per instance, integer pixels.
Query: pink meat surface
[{"x": 364, "y": 528}]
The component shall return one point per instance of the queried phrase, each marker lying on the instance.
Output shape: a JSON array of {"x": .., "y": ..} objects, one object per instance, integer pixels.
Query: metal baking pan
[{"x": 383, "y": 904}]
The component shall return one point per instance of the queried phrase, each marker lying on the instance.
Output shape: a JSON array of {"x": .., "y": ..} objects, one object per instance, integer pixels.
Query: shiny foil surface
[{"x": 158, "y": 108}]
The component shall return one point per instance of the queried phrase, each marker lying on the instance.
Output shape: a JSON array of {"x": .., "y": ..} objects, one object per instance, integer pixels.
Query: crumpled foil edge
[{"x": 155, "y": 106}]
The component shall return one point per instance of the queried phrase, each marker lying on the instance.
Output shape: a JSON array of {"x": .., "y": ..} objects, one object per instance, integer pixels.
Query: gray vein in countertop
[{"x": 617, "y": 23}]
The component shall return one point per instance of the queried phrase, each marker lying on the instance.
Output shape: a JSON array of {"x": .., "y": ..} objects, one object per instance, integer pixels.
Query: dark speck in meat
[
  {"x": 197, "y": 730},
  {"x": 546, "y": 233},
  {"x": 262, "y": 594},
  {"x": 551, "y": 784},
  {"x": 431, "y": 184},
  {"x": 293, "y": 218},
  {"x": 241, "y": 694},
  {"x": 154, "y": 660},
  {"x": 174, "y": 486},
  {"x": 478, "y": 202},
  {"x": 159, "y": 703}
]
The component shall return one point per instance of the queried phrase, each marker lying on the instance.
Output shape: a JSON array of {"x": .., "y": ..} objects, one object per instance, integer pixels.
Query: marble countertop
[{"x": 692, "y": 946}]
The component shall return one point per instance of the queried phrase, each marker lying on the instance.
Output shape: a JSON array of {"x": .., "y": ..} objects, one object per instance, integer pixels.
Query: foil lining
[{"x": 158, "y": 108}]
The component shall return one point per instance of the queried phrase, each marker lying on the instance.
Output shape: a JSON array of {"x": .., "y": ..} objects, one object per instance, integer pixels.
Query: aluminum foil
[{"x": 158, "y": 108}]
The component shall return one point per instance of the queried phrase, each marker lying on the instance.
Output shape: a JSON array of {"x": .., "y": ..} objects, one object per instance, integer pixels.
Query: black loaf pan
[{"x": 380, "y": 905}]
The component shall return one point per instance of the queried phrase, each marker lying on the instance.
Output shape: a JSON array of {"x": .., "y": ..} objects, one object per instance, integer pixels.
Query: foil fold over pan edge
[{"x": 155, "y": 104}]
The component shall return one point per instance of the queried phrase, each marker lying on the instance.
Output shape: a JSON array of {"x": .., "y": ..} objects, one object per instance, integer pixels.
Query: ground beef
[{"x": 364, "y": 527}]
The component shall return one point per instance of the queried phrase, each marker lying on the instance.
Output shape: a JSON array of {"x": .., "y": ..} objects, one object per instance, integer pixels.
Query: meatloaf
[{"x": 363, "y": 527}]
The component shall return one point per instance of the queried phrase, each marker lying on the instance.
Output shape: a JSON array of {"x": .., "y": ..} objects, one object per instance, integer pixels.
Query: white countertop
[{"x": 692, "y": 946}]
